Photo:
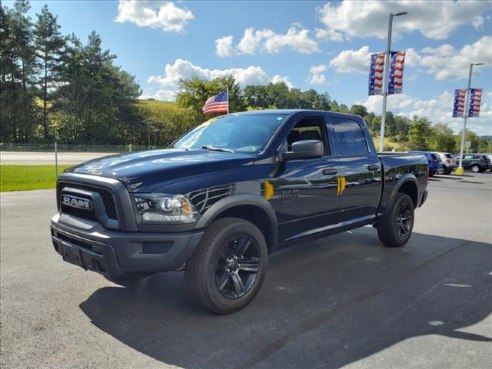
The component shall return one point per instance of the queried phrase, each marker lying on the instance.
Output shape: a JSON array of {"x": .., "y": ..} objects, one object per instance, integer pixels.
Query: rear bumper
[{"x": 113, "y": 253}]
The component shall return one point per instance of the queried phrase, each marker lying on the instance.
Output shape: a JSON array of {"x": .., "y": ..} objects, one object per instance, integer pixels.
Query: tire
[
  {"x": 395, "y": 228},
  {"x": 475, "y": 168},
  {"x": 226, "y": 270}
]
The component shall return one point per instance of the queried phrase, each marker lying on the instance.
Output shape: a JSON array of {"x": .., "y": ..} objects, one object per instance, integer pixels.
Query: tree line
[{"x": 56, "y": 87}]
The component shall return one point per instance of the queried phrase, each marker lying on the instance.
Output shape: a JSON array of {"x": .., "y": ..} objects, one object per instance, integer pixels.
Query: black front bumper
[{"x": 116, "y": 254}]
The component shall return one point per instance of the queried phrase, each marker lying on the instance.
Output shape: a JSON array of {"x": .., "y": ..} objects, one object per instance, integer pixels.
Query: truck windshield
[{"x": 235, "y": 132}]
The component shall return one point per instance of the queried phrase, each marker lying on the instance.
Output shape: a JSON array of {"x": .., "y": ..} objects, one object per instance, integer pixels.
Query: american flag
[
  {"x": 376, "y": 74},
  {"x": 395, "y": 81},
  {"x": 217, "y": 104},
  {"x": 475, "y": 99},
  {"x": 459, "y": 103}
]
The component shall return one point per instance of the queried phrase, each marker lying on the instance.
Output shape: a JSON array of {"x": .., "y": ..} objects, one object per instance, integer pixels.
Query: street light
[
  {"x": 459, "y": 171},
  {"x": 385, "y": 75}
]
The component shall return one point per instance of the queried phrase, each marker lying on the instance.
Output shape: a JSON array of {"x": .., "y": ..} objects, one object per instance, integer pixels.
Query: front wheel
[
  {"x": 395, "y": 228},
  {"x": 475, "y": 168},
  {"x": 227, "y": 269}
]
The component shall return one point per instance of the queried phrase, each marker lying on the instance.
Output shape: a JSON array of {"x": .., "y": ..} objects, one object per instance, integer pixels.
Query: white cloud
[
  {"x": 438, "y": 110},
  {"x": 267, "y": 41},
  {"x": 278, "y": 78},
  {"x": 153, "y": 14},
  {"x": 317, "y": 75},
  {"x": 184, "y": 69},
  {"x": 224, "y": 47},
  {"x": 349, "y": 61},
  {"x": 434, "y": 19},
  {"x": 447, "y": 63}
]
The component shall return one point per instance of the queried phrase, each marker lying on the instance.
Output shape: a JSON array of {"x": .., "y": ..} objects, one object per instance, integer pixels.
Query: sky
[{"x": 306, "y": 44}]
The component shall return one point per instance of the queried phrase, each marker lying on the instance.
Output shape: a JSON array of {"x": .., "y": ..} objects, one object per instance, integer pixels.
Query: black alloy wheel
[
  {"x": 226, "y": 270},
  {"x": 237, "y": 267},
  {"x": 395, "y": 227},
  {"x": 404, "y": 219}
]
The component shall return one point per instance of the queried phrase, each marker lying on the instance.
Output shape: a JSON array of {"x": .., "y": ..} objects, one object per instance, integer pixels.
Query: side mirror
[{"x": 306, "y": 149}]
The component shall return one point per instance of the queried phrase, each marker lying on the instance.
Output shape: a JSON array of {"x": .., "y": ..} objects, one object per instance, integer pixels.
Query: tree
[
  {"x": 49, "y": 45},
  {"x": 419, "y": 134},
  {"x": 195, "y": 92},
  {"x": 18, "y": 111},
  {"x": 358, "y": 110},
  {"x": 95, "y": 103}
]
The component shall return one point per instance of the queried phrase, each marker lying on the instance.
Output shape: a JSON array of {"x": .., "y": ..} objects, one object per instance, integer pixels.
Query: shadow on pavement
[{"x": 325, "y": 304}]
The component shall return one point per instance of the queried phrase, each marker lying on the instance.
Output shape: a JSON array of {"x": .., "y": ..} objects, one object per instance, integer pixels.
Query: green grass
[{"x": 28, "y": 177}]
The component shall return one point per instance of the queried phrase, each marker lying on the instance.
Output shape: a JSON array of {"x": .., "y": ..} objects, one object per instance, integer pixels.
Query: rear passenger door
[{"x": 359, "y": 171}]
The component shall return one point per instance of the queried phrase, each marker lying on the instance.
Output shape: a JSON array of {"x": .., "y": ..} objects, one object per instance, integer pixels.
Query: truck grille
[{"x": 106, "y": 195}]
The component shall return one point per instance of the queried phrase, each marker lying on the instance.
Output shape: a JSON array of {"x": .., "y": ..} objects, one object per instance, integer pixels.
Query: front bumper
[{"x": 116, "y": 254}]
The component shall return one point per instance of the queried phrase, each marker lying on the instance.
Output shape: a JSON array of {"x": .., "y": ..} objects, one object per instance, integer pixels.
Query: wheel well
[
  {"x": 254, "y": 215},
  {"x": 410, "y": 189}
]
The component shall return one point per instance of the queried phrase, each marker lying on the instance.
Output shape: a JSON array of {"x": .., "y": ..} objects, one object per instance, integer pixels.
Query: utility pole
[
  {"x": 385, "y": 75},
  {"x": 459, "y": 170}
]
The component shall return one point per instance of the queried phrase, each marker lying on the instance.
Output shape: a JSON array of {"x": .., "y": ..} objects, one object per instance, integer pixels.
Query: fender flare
[
  {"x": 237, "y": 200},
  {"x": 409, "y": 177}
]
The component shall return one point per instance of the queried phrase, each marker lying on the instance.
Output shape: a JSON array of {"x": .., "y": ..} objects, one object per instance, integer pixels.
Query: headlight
[{"x": 164, "y": 208}]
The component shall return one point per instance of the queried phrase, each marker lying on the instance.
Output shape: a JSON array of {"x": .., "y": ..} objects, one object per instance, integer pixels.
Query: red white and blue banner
[
  {"x": 395, "y": 80},
  {"x": 217, "y": 104},
  {"x": 376, "y": 74},
  {"x": 459, "y": 103},
  {"x": 475, "y": 99}
]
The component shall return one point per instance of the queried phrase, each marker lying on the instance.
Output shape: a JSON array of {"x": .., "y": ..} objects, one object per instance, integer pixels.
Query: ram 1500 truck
[{"x": 230, "y": 192}]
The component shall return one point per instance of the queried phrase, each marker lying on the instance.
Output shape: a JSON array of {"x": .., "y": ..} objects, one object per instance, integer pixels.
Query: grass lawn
[{"x": 28, "y": 177}]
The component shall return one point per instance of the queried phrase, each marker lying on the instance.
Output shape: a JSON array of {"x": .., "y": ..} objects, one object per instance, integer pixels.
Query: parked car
[
  {"x": 475, "y": 162},
  {"x": 448, "y": 163},
  {"x": 432, "y": 159}
]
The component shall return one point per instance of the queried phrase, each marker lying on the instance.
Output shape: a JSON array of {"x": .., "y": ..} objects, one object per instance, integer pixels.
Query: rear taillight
[{"x": 448, "y": 161}]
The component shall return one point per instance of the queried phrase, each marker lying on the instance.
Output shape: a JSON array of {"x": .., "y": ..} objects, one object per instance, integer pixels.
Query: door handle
[
  {"x": 373, "y": 167},
  {"x": 329, "y": 171}
]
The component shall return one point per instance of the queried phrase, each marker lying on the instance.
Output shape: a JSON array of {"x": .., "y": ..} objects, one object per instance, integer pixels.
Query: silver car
[{"x": 448, "y": 163}]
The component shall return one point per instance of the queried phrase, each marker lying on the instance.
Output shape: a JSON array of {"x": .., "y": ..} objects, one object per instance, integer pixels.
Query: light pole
[
  {"x": 459, "y": 171},
  {"x": 385, "y": 75}
]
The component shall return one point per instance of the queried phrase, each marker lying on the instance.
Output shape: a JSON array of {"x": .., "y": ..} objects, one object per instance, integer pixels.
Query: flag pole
[{"x": 227, "y": 91}]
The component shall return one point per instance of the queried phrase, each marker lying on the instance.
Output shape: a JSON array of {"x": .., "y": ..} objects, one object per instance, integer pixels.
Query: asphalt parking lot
[{"x": 342, "y": 301}]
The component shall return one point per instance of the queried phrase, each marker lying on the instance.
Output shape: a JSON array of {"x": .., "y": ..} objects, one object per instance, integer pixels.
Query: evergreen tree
[{"x": 49, "y": 45}]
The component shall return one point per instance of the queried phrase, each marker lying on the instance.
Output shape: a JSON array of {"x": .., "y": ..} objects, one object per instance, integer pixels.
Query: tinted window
[
  {"x": 237, "y": 132},
  {"x": 349, "y": 138}
]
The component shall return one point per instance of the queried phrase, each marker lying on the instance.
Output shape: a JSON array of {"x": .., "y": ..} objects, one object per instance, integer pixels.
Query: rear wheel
[
  {"x": 395, "y": 228},
  {"x": 475, "y": 168},
  {"x": 228, "y": 267}
]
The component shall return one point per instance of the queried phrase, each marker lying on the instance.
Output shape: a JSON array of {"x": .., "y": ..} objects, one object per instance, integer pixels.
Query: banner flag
[
  {"x": 217, "y": 104},
  {"x": 475, "y": 99},
  {"x": 376, "y": 74},
  {"x": 459, "y": 103},
  {"x": 395, "y": 80}
]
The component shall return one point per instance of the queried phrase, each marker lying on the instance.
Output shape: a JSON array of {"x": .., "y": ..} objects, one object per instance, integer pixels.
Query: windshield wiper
[{"x": 212, "y": 148}]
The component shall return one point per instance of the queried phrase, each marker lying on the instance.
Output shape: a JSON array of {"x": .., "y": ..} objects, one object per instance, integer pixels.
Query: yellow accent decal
[
  {"x": 269, "y": 191},
  {"x": 343, "y": 185}
]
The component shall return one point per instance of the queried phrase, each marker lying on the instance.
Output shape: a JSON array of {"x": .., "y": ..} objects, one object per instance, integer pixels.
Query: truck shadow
[{"x": 326, "y": 303}]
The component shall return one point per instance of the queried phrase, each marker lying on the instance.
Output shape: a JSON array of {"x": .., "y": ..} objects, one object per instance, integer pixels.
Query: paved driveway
[{"x": 343, "y": 301}]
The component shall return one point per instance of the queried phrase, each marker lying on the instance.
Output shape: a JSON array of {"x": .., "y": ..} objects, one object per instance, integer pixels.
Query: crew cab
[{"x": 229, "y": 193}]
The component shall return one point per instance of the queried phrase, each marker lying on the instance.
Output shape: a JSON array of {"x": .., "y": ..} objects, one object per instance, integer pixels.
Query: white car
[{"x": 448, "y": 163}]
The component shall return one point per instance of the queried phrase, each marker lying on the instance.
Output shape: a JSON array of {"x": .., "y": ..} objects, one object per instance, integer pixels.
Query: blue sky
[{"x": 307, "y": 44}]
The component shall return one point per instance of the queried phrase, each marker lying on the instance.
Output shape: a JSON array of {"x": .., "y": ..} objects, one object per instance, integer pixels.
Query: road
[
  {"x": 48, "y": 158},
  {"x": 342, "y": 301}
]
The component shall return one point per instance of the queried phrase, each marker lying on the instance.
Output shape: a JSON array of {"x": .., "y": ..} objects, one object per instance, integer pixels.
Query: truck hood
[{"x": 145, "y": 171}]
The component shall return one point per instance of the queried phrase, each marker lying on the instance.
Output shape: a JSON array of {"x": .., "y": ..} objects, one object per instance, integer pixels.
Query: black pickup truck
[{"x": 230, "y": 192}]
